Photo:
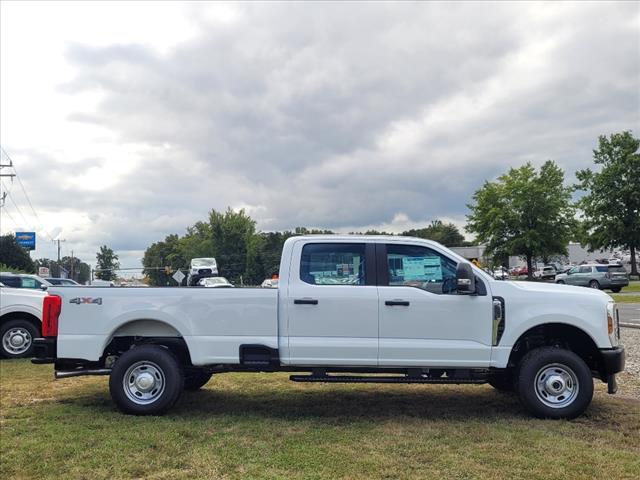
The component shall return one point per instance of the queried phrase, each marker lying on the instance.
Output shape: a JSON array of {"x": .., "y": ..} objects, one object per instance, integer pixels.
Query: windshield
[
  {"x": 203, "y": 262},
  {"x": 215, "y": 281}
]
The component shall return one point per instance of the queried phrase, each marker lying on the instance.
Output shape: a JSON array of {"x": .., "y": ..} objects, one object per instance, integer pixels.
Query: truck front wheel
[
  {"x": 554, "y": 383},
  {"x": 146, "y": 380}
]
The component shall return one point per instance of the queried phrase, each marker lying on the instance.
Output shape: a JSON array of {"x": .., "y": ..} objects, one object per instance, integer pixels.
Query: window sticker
[{"x": 425, "y": 269}]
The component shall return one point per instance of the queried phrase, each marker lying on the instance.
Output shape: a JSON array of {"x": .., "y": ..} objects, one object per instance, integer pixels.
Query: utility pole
[
  {"x": 2, "y": 175},
  {"x": 72, "y": 265},
  {"x": 58, "y": 241}
]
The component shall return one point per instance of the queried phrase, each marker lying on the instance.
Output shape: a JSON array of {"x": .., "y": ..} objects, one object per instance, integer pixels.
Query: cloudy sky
[{"x": 129, "y": 121}]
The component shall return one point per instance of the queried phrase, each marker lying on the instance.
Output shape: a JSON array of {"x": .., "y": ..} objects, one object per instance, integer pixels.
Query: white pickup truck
[
  {"x": 348, "y": 309},
  {"x": 20, "y": 313}
]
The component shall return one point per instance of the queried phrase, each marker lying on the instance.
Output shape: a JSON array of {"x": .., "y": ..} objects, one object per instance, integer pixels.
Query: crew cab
[{"x": 348, "y": 309}]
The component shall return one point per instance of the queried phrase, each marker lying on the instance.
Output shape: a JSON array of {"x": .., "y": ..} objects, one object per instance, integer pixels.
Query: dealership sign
[{"x": 26, "y": 240}]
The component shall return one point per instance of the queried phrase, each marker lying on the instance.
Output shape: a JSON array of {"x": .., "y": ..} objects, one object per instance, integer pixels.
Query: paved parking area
[{"x": 629, "y": 312}]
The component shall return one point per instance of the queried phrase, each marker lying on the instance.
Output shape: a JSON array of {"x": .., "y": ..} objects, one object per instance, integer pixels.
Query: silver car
[{"x": 613, "y": 277}]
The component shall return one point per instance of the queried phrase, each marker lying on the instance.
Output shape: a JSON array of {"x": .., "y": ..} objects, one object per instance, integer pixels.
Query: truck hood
[{"x": 549, "y": 288}]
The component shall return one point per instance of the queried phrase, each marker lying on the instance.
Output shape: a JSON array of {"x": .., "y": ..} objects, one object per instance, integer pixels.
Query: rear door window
[{"x": 333, "y": 264}]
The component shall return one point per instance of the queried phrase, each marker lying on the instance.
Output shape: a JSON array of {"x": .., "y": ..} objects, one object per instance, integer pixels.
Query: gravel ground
[
  {"x": 629, "y": 380},
  {"x": 630, "y": 338}
]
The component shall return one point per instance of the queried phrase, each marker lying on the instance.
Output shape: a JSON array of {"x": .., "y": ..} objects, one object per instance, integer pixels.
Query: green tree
[
  {"x": 524, "y": 212},
  {"x": 106, "y": 263},
  {"x": 445, "y": 233},
  {"x": 13, "y": 255},
  {"x": 611, "y": 206},
  {"x": 162, "y": 259}
]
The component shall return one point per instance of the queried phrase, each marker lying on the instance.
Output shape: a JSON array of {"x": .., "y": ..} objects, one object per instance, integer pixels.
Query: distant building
[{"x": 576, "y": 254}]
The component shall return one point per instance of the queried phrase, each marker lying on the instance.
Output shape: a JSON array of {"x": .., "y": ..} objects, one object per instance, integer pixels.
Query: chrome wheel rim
[
  {"x": 556, "y": 385},
  {"x": 144, "y": 382},
  {"x": 16, "y": 341}
]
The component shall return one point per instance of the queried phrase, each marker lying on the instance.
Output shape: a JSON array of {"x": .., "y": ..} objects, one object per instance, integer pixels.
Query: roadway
[{"x": 629, "y": 313}]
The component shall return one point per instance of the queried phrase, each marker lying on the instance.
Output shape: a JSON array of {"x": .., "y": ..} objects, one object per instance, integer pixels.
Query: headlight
[{"x": 613, "y": 327}]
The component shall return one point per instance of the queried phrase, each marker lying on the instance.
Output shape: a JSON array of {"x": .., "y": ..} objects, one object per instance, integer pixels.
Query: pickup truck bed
[{"x": 213, "y": 322}]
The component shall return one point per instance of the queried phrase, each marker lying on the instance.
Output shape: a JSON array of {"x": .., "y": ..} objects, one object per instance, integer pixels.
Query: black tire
[
  {"x": 616, "y": 289},
  {"x": 195, "y": 380},
  {"x": 560, "y": 282},
  {"x": 594, "y": 284},
  {"x": 502, "y": 382},
  {"x": 146, "y": 363},
  {"x": 16, "y": 338},
  {"x": 560, "y": 368}
]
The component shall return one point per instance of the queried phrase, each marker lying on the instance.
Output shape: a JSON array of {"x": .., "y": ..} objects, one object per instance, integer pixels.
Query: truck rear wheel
[
  {"x": 196, "y": 379},
  {"x": 554, "y": 383},
  {"x": 146, "y": 380}
]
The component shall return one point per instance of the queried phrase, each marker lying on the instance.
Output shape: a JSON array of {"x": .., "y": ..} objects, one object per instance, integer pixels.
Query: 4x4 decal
[{"x": 82, "y": 300}]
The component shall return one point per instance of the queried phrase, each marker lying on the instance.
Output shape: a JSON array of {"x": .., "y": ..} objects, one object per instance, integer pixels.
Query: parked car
[
  {"x": 520, "y": 271},
  {"x": 201, "y": 268},
  {"x": 269, "y": 283},
  {"x": 215, "y": 282},
  {"x": 612, "y": 277},
  {"x": 545, "y": 273},
  {"x": 20, "y": 314},
  {"x": 61, "y": 281},
  {"x": 386, "y": 309},
  {"x": 24, "y": 280},
  {"x": 500, "y": 274}
]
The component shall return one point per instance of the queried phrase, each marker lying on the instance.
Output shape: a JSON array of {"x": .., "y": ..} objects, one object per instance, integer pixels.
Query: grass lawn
[
  {"x": 633, "y": 287},
  {"x": 626, "y": 298},
  {"x": 263, "y": 426}
]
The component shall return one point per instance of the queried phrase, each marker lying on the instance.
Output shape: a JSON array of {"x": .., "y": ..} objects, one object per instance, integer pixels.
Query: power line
[
  {"x": 8, "y": 192},
  {"x": 26, "y": 195},
  {"x": 9, "y": 215}
]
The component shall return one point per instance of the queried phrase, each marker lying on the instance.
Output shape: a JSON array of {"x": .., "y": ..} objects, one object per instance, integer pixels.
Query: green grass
[
  {"x": 263, "y": 426},
  {"x": 626, "y": 298},
  {"x": 633, "y": 287}
]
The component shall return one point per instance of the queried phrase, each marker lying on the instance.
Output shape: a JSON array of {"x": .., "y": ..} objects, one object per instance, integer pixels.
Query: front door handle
[
  {"x": 305, "y": 301},
  {"x": 397, "y": 303}
]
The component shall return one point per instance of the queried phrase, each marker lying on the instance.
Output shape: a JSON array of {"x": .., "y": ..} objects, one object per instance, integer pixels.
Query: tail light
[{"x": 51, "y": 307}]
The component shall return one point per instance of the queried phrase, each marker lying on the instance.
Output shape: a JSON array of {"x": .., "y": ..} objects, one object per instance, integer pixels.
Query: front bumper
[
  {"x": 613, "y": 360},
  {"x": 45, "y": 350}
]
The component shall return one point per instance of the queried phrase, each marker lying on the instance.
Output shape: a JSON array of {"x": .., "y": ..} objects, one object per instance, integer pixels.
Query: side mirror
[
  {"x": 44, "y": 287},
  {"x": 465, "y": 279}
]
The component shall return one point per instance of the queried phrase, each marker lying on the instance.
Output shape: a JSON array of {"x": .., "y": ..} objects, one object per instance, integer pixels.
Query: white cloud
[{"x": 129, "y": 121}]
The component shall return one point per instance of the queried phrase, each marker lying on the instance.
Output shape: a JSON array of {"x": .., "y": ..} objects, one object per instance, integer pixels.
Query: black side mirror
[
  {"x": 44, "y": 287},
  {"x": 465, "y": 279}
]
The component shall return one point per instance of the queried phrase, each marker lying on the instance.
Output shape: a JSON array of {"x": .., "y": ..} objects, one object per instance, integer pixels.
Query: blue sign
[{"x": 26, "y": 240}]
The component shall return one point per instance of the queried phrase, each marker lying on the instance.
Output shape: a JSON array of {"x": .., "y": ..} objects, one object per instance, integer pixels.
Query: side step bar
[{"x": 373, "y": 379}]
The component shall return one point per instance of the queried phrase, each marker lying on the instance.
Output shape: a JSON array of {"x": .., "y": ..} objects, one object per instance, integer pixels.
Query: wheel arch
[
  {"x": 21, "y": 315},
  {"x": 146, "y": 331},
  {"x": 557, "y": 334}
]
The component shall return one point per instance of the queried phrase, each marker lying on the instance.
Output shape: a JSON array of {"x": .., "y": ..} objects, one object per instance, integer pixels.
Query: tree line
[
  {"x": 526, "y": 211},
  {"x": 242, "y": 253}
]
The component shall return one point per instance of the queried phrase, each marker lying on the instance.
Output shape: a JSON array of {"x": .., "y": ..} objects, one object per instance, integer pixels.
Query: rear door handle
[
  {"x": 305, "y": 301},
  {"x": 397, "y": 303}
]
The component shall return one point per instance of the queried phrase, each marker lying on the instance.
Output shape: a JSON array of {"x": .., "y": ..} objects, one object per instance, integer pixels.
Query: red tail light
[{"x": 51, "y": 307}]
